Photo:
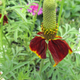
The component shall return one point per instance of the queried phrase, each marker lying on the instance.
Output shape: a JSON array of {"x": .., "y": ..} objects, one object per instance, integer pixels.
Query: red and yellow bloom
[{"x": 58, "y": 47}]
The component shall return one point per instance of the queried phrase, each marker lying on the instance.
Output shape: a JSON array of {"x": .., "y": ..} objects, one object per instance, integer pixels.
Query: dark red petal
[
  {"x": 41, "y": 34},
  {"x": 58, "y": 49},
  {"x": 0, "y": 15},
  {"x": 70, "y": 50},
  {"x": 38, "y": 46},
  {"x": 5, "y": 20}
]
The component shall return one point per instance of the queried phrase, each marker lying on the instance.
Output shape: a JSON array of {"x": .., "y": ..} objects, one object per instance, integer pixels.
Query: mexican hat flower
[
  {"x": 5, "y": 20},
  {"x": 34, "y": 9},
  {"x": 58, "y": 47}
]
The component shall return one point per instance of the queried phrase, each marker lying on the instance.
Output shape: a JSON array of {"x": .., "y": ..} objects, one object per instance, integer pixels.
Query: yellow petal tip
[
  {"x": 70, "y": 52},
  {"x": 54, "y": 65}
]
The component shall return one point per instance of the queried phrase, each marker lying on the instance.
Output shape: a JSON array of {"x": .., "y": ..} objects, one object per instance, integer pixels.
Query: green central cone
[
  {"x": 49, "y": 19},
  {"x": 49, "y": 14}
]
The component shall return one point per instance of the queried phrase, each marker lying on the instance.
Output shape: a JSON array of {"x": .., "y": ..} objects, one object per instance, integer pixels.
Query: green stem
[
  {"x": 6, "y": 39},
  {"x": 50, "y": 58},
  {"x": 1, "y": 28},
  {"x": 1, "y": 36},
  {"x": 60, "y": 12},
  {"x": 41, "y": 65},
  {"x": 1, "y": 41}
]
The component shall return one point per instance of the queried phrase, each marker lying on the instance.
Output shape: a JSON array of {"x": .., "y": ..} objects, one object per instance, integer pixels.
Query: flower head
[
  {"x": 58, "y": 47},
  {"x": 5, "y": 20},
  {"x": 34, "y": 9}
]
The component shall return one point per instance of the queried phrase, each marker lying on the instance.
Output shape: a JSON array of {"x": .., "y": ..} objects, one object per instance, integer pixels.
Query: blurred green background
[{"x": 17, "y": 62}]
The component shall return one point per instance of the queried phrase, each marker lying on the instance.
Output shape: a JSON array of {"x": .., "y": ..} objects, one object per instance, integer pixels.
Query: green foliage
[
  {"x": 17, "y": 62},
  {"x": 71, "y": 9}
]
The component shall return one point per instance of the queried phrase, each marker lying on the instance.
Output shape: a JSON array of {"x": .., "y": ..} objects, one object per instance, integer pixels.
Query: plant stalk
[{"x": 60, "y": 12}]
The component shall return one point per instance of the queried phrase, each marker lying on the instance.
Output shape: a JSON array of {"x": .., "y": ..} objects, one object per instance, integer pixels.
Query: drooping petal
[
  {"x": 59, "y": 49},
  {"x": 69, "y": 49},
  {"x": 38, "y": 46},
  {"x": 5, "y": 20}
]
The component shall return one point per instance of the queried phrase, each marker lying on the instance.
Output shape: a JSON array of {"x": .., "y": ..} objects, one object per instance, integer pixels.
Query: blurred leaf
[
  {"x": 67, "y": 14},
  {"x": 21, "y": 14},
  {"x": 45, "y": 66}
]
